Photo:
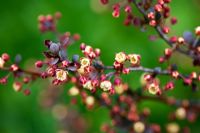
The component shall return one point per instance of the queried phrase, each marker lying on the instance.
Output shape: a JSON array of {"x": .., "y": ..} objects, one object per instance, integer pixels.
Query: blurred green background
[{"x": 97, "y": 27}]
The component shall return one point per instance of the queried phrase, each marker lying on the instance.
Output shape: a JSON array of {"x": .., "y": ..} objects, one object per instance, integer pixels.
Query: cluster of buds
[{"x": 48, "y": 23}]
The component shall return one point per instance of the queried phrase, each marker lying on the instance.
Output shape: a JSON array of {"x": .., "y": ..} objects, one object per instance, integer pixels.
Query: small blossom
[
  {"x": 17, "y": 86},
  {"x": 119, "y": 89},
  {"x": 151, "y": 15},
  {"x": 153, "y": 88},
  {"x": 61, "y": 74},
  {"x": 65, "y": 63},
  {"x": 14, "y": 67},
  {"x": 85, "y": 62},
  {"x": 2, "y": 62},
  {"x": 106, "y": 85},
  {"x": 139, "y": 127},
  {"x": 117, "y": 65},
  {"x": 181, "y": 40},
  {"x": 81, "y": 70},
  {"x": 193, "y": 75},
  {"x": 134, "y": 59},
  {"x": 180, "y": 113},
  {"x": 172, "y": 128},
  {"x": 120, "y": 57},
  {"x": 89, "y": 101},
  {"x": 74, "y": 91},
  {"x": 197, "y": 31},
  {"x": 88, "y": 49},
  {"x": 158, "y": 8},
  {"x": 175, "y": 74},
  {"x": 88, "y": 85},
  {"x": 152, "y": 23}
]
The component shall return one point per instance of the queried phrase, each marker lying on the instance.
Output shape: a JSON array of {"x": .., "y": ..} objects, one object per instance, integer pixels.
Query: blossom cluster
[{"x": 96, "y": 82}]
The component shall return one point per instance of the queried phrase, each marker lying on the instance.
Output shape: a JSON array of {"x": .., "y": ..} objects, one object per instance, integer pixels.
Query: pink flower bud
[
  {"x": 5, "y": 57},
  {"x": 173, "y": 20},
  {"x": 14, "y": 67},
  {"x": 38, "y": 64},
  {"x": 169, "y": 86},
  {"x": 126, "y": 71},
  {"x": 117, "y": 81},
  {"x": 27, "y": 92},
  {"x": 104, "y": 2}
]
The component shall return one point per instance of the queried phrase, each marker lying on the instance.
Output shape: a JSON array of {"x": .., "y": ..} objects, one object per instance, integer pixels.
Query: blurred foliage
[{"x": 19, "y": 34}]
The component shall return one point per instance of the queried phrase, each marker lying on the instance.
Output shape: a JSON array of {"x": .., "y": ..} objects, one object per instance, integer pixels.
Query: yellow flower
[
  {"x": 153, "y": 88},
  {"x": 85, "y": 62},
  {"x": 2, "y": 62},
  {"x": 120, "y": 57},
  {"x": 139, "y": 127},
  {"x": 106, "y": 85},
  {"x": 61, "y": 74},
  {"x": 88, "y": 85},
  {"x": 134, "y": 59}
]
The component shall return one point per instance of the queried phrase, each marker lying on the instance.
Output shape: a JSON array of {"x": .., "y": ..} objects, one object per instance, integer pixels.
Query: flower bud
[
  {"x": 39, "y": 64},
  {"x": 27, "y": 92},
  {"x": 126, "y": 71},
  {"x": 168, "y": 52},
  {"x": 82, "y": 46},
  {"x": 5, "y": 57},
  {"x": 54, "y": 48},
  {"x": 116, "y": 13}
]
